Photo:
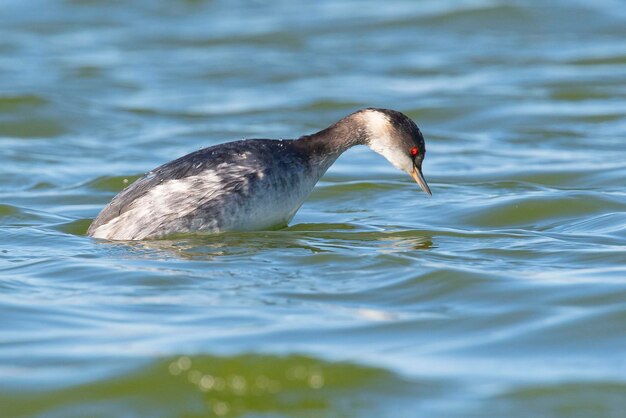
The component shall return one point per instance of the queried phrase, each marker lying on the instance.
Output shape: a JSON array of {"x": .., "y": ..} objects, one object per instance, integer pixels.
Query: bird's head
[{"x": 397, "y": 138}]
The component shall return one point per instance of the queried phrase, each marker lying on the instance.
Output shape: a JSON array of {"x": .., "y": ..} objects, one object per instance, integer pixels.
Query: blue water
[{"x": 502, "y": 295}]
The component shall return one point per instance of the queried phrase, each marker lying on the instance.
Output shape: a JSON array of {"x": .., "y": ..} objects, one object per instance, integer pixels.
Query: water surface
[{"x": 502, "y": 295}]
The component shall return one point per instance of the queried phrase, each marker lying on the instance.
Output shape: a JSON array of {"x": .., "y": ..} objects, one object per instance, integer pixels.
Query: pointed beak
[{"x": 419, "y": 179}]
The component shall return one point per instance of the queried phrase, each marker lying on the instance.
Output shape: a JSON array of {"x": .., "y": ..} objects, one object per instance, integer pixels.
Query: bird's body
[
  {"x": 237, "y": 186},
  {"x": 253, "y": 184}
]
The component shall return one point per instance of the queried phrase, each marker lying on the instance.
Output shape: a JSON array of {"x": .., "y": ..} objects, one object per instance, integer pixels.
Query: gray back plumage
[{"x": 260, "y": 154}]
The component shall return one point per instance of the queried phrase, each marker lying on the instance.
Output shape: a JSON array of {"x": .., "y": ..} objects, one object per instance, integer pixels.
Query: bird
[{"x": 252, "y": 184}]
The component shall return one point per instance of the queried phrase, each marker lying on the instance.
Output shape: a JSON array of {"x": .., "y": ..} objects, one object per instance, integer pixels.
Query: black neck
[{"x": 334, "y": 140}]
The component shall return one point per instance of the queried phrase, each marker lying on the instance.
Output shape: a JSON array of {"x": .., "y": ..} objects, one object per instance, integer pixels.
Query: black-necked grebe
[{"x": 253, "y": 184}]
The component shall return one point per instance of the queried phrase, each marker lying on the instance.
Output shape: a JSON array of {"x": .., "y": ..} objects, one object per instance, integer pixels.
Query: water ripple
[{"x": 500, "y": 295}]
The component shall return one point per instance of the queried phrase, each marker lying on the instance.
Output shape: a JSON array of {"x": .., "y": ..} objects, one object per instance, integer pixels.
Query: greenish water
[{"x": 502, "y": 295}]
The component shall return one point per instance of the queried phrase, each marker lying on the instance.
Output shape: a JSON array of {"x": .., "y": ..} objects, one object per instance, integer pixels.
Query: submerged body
[
  {"x": 238, "y": 186},
  {"x": 253, "y": 184}
]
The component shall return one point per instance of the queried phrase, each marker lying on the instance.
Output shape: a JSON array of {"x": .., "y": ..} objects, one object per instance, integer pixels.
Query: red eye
[{"x": 415, "y": 151}]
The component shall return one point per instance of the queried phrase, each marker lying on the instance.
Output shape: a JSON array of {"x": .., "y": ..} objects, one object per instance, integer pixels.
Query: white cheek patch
[
  {"x": 395, "y": 156},
  {"x": 382, "y": 142},
  {"x": 377, "y": 123}
]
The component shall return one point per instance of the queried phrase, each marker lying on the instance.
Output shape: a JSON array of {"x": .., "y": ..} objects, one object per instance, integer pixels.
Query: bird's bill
[{"x": 419, "y": 179}]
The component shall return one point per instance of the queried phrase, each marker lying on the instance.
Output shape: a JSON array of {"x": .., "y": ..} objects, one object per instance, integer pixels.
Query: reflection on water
[
  {"x": 301, "y": 239},
  {"x": 231, "y": 387}
]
